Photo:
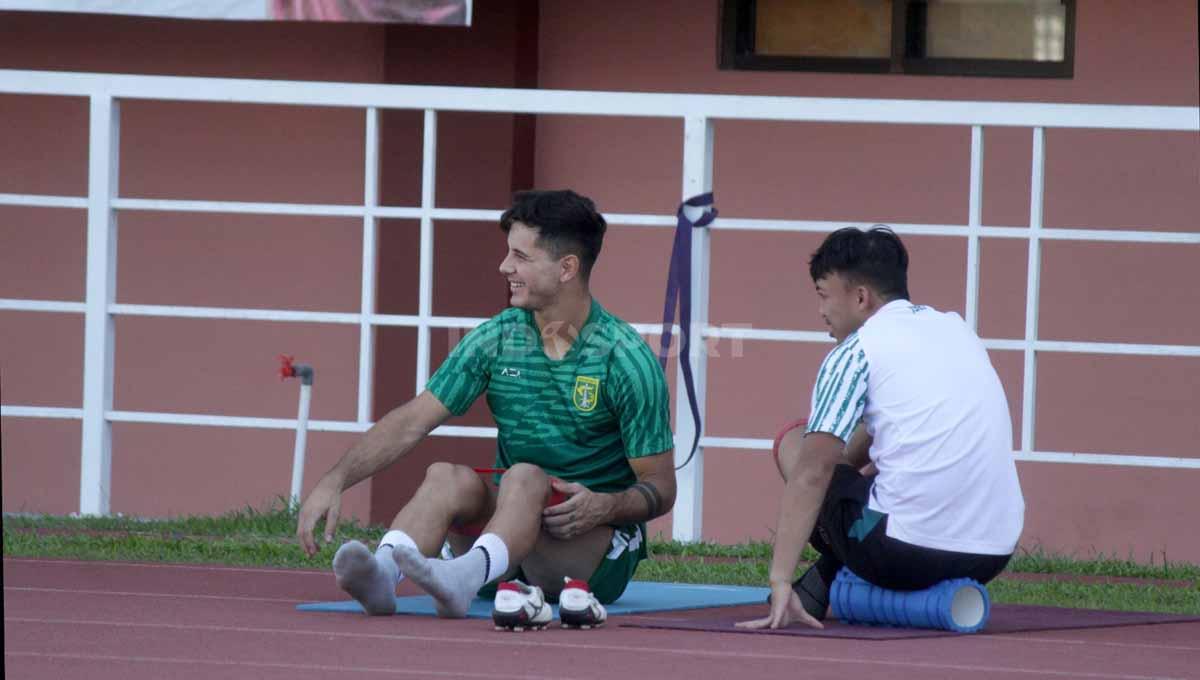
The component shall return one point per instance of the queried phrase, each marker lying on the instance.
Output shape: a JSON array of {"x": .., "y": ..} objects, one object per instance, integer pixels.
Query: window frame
[{"x": 736, "y": 51}]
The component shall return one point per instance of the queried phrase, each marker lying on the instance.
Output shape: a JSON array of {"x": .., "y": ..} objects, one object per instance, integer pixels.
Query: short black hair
[
  {"x": 567, "y": 223},
  {"x": 876, "y": 258}
]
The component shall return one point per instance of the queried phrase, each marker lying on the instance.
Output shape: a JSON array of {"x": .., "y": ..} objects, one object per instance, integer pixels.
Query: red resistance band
[
  {"x": 782, "y": 433},
  {"x": 556, "y": 497}
]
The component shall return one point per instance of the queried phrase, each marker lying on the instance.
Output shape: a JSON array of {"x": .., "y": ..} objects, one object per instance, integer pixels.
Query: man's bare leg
[
  {"x": 509, "y": 537},
  {"x": 552, "y": 559},
  {"x": 449, "y": 493}
]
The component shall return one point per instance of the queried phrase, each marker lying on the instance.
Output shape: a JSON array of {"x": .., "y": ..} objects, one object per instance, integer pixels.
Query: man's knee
[
  {"x": 452, "y": 479},
  {"x": 526, "y": 476},
  {"x": 789, "y": 452}
]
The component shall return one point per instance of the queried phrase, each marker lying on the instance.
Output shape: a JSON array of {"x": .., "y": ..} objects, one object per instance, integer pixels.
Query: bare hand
[
  {"x": 324, "y": 501},
  {"x": 581, "y": 512},
  {"x": 786, "y": 609}
]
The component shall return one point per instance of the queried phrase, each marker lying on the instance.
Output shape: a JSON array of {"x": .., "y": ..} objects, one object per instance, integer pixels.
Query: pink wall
[
  {"x": 862, "y": 174},
  {"x": 208, "y": 151},
  {"x": 256, "y": 153},
  {"x": 851, "y": 173}
]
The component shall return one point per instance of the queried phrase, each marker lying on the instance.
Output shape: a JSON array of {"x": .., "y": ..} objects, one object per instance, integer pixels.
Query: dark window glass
[{"x": 1021, "y": 38}]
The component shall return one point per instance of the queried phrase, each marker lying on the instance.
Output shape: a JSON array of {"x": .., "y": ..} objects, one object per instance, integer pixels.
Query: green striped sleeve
[
  {"x": 840, "y": 393},
  {"x": 464, "y": 375},
  {"x": 640, "y": 399}
]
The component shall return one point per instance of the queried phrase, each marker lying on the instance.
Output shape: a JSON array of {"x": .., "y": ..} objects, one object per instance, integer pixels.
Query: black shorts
[{"x": 851, "y": 534}]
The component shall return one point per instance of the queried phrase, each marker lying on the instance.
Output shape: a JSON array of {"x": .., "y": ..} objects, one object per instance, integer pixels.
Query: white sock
[
  {"x": 369, "y": 580},
  {"x": 496, "y": 553},
  {"x": 451, "y": 583},
  {"x": 383, "y": 554}
]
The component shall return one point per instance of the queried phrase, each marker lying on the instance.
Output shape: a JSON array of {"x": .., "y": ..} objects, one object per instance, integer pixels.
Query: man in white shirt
[{"x": 908, "y": 397}]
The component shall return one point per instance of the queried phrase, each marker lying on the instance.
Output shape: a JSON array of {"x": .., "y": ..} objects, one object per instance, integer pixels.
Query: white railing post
[
  {"x": 425, "y": 294},
  {"x": 974, "y": 221},
  {"x": 697, "y": 179},
  {"x": 1033, "y": 290},
  {"x": 95, "y": 465},
  {"x": 370, "y": 226}
]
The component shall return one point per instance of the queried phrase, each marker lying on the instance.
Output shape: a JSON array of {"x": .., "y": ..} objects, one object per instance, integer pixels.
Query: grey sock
[
  {"x": 369, "y": 580},
  {"x": 451, "y": 583}
]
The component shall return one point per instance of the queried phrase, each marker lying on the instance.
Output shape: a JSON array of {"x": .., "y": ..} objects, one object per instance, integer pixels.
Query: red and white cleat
[
  {"x": 578, "y": 607},
  {"x": 519, "y": 607}
]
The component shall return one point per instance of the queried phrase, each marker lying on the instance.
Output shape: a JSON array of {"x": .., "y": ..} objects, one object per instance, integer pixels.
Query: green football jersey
[{"x": 578, "y": 418}]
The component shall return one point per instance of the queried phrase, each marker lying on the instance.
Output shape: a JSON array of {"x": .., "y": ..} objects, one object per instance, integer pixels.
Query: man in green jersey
[{"x": 582, "y": 412}]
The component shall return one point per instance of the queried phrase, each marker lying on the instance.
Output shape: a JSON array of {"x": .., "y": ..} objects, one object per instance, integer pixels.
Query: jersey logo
[
  {"x": 510, "y": 372},
  {"x": 586, "y": 394}
]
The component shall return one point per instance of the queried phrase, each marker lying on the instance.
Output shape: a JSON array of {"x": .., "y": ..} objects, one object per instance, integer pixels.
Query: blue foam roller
[{"x": 960, "y": 605}]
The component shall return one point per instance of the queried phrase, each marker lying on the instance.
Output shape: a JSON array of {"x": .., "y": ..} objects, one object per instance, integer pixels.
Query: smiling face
[
  {"x": 843, "y": 306},
  {"x": 535, "y": 276}
]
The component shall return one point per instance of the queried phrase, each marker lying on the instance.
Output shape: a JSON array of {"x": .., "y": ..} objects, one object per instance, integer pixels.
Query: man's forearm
[
  {"x": 387, "y": 440},
  {"x": 798, "y": 509},
  {"x": 646, "y": 499}
]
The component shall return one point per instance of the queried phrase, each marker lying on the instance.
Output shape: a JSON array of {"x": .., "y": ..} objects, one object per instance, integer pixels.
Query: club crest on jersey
[{"x": 586, "y": 394}]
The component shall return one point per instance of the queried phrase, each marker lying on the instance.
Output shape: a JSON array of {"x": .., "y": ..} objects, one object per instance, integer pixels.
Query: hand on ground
[{"x": 786, "y": 609}]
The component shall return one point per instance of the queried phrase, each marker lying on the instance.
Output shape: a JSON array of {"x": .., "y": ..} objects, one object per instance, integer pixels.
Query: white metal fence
[{"x": 697, "y": 113}]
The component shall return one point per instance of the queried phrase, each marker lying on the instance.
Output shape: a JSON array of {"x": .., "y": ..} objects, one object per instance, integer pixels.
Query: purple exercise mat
[{"x": 1005, "y": 618}]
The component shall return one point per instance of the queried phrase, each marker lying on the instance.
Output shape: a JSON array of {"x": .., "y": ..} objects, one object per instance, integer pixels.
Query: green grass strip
[
  {"x": 276, "y": 520},
  {"x": 1119, "y": 596},
  {"x": 242, "y": 552}
]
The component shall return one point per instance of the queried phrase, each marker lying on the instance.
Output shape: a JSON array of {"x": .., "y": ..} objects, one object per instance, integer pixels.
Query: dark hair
[
  {"x": 875, "y": 258},
  {"x": 567, "y": 223}
]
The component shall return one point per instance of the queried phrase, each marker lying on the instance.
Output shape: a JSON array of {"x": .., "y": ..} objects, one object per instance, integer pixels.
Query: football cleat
[
  {"x": 519, "y": 607},
  {"x": 578, "y": 607}
]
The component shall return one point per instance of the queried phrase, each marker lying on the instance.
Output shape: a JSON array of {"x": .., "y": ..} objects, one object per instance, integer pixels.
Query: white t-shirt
[{"x": 922, "y": 383}]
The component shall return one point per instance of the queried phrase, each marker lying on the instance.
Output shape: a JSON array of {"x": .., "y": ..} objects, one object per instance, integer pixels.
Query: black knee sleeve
[{"x": 813, "y": 590}]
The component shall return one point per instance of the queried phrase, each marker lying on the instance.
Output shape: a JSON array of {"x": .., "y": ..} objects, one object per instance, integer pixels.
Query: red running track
[{"x": 100, "y": 620}]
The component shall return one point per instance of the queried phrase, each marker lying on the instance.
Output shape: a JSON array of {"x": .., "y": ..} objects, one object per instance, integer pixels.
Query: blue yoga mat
[{"x": 640, "y": 597}]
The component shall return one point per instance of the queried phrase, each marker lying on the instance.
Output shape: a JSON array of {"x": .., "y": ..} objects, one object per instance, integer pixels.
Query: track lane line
[
  {"x": 1065, "y": 641},
  {"x": 508, "y": 641},
  {"x": 171, "y": 565},
  {"x": 269, "y": 664},
  {"x": 128, "y": 593}
]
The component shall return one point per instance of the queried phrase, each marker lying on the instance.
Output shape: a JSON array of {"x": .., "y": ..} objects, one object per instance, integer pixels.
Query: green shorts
[{"x": 615, "y": 571}]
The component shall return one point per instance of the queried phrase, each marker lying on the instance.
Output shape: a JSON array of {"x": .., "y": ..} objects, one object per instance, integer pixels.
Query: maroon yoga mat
[{"x": 1005, "y": 618}]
